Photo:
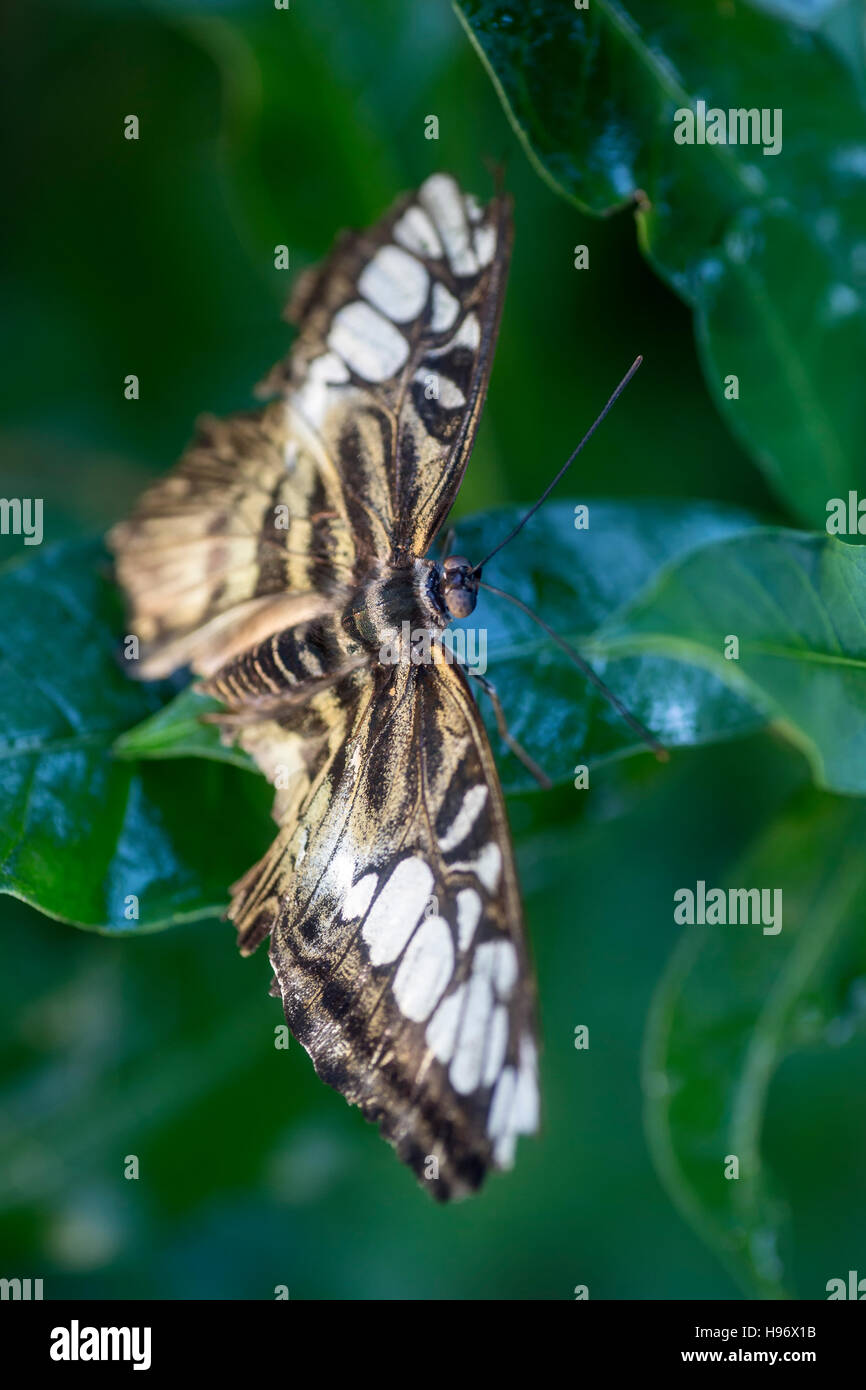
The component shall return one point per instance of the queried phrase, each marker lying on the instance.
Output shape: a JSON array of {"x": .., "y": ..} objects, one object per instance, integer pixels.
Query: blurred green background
[{"x": 155, "y": 257}]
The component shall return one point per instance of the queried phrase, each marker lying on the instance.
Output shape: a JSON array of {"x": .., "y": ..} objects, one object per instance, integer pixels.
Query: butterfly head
[{"x": 459, "y": 586}]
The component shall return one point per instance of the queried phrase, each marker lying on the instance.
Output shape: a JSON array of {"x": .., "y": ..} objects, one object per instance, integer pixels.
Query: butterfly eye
[{"x": 459, "y": 586}]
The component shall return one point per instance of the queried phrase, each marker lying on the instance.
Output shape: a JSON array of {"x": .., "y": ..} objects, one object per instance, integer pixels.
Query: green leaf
[
  {"x": 576, "y": 580},
  {"x": 778, "y": 308},
  {"x": 82, "y": 834},
  {"x": 177, "y": 731},
  {"x": 733, "y": 1002},
  {"x": 797, "y": 606},
  {"x": 572, "y": 580},
  {"x": 767, "y": 248}
]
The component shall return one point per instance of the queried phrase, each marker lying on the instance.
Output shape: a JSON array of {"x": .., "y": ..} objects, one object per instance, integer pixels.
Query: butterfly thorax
[
  {"x": 403, "y": 601},
  {"x": 394, "y": 605}
]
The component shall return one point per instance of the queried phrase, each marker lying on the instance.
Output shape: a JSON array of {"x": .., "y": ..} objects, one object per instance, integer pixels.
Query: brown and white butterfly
[{"x": 279, "y": 560}]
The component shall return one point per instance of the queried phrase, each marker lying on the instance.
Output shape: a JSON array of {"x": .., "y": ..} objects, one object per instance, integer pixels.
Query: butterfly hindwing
[{"x": 398, "y": 941}]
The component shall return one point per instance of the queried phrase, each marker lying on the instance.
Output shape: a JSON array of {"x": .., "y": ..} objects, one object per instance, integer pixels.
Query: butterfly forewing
[
  {"x": 243, "y": 538},
  {"x": 390, "y": 369}
]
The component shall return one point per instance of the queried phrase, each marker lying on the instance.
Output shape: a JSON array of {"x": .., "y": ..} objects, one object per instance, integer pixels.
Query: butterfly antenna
[
  {"x": 660, "y": 751},
  {"x": 565, "y": 467}
]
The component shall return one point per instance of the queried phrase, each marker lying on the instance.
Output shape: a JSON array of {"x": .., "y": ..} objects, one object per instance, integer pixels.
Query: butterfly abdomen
[{"x": 289, "y": 666}]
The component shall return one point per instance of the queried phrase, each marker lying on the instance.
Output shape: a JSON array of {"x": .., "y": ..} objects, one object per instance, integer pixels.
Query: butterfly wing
[
  {"x": 271, "y": 516},
  {"x": 397, "y": 936},
  {"x": 389, "y": 371},
  {"x": 244, "y": 537}
]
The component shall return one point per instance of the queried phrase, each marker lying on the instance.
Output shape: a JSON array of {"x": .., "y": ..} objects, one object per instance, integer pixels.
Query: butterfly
[{"x": 284, "y": 562}]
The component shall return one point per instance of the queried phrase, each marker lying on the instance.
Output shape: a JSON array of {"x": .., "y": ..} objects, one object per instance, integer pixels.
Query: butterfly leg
[{"x": 505, "y": 734}]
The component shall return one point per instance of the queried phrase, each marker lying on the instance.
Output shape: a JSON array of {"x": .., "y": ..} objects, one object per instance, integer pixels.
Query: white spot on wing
[
  {"x": 416, "y": 232},
  {"x": 505, "y": 974},
  {"x": 468, "y": 916},
  {"x": 514, "y": 1107},
  {"x": 524, "y": 1118},
  {"x": 337, "y": 879},
  {"x": 466, "y": 817},
  {"x": 329, "y": 368},
  {"x": 357, "y": 899},
  {"x": 486, "y": 868},
  {"x": 425, "y": 969},
  {"x": 445, "y": 309},
  {"x": 441, "y": 1034},
  {"x": 440, "y": 196},
  {"x": 312, "y": 398},
  {"x": 467, "y": 335},
  {"x": 497, "y": 1042},
  {"x": 395, "y": 283},
  {"x": 465, "y": 1071},
  {"x": 397, "y": 910},
  {"x": 498, "y": 959},
  {"x": 450, "y": 396},
  {"x": 368, "y": 343},
  {"x": 485, "y": 244},
  {"x": 500, "y": 1106},
  {"x": 503, "y": 1151}
]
